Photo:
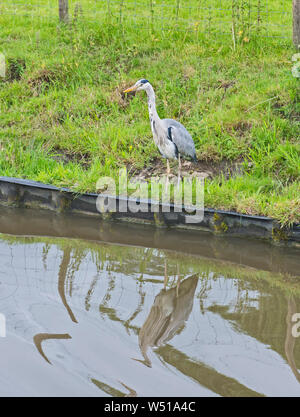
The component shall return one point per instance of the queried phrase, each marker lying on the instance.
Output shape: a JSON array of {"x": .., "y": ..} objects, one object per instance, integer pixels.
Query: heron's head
[{"x": 139, "y": 85}]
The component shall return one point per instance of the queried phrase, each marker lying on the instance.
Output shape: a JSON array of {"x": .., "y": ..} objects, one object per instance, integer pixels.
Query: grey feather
[{"x": 181, "y": 137}]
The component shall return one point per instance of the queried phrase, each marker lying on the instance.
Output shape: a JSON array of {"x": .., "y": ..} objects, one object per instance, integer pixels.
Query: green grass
[{"x": 63, "y": 120}]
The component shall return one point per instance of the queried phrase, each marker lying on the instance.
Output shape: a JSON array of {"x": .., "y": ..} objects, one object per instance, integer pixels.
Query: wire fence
[{"x": 271, "y": 18}]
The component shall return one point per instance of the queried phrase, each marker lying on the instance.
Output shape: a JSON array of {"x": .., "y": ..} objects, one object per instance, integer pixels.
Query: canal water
[{"x": 107, "y": 309}]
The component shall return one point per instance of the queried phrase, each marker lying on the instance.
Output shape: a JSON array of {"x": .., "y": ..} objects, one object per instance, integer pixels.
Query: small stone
[
  {"x": 204, "y": 174},
  {"x": 186, "y": 164}
]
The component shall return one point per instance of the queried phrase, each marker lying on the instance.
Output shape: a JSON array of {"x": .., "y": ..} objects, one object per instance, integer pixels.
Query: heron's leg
[
  {"x": 168, "y": 174},
  {"x": 179, "y": 169},
  {"x": 168, "y": 168}
]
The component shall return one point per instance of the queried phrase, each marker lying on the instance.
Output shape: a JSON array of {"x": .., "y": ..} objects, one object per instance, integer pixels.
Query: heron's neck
[{"x": 151, "y": 105}]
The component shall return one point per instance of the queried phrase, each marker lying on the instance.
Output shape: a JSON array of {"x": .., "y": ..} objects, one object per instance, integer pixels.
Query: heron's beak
[{"x": 133, "y": 88}]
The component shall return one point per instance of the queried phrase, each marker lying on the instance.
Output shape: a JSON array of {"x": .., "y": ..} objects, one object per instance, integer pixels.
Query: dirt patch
[
  {"x": 225, "y": 85},
  {"x": 42, "y": 80},
  {"x": 241, "y": 128},
  {"x": 64, "y": 156},
  {"x": 15, "y": 69},
  {"x": 205, "y": 169},
  {"x": 286, "y": 110},
  {"x": 119, "y": 97},
  {"x": 188, "y": 72}
]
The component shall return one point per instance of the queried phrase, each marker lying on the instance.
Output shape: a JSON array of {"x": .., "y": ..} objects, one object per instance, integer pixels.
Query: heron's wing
[{"x": 181, "y": 137}]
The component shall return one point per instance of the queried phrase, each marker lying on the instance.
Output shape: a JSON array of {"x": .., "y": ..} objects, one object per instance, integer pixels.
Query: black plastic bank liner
[{"x": 24, "y": 193}]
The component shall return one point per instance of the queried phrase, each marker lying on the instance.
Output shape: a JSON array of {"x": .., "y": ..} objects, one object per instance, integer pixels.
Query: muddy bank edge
[{"x": 31, "y": 194}]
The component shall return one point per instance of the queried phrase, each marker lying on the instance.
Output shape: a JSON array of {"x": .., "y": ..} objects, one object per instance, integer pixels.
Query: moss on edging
[{"x": 23, "y": 193}]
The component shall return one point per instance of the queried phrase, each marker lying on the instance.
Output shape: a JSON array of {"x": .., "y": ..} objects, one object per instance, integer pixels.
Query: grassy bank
[{"x": 64, "y": 121}]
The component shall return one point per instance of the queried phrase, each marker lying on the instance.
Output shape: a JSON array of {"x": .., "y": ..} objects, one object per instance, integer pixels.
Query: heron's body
[{"x": 170, "y": 136}]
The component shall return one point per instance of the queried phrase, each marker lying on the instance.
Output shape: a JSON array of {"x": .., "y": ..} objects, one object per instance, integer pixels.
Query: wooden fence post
[
  {"x": 296, "y": 22},
  {"x": 63, "y": 6}
]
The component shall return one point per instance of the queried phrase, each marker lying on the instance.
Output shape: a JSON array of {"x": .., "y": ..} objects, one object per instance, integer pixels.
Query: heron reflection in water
[{"x": 167, "y": 317}]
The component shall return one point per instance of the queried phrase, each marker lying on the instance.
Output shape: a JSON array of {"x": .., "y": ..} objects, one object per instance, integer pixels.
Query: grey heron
[{"x": 170, "y": 136}]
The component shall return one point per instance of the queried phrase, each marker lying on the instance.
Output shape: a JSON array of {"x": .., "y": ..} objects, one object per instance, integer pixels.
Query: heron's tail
[{"x": 195, "y": 158}]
